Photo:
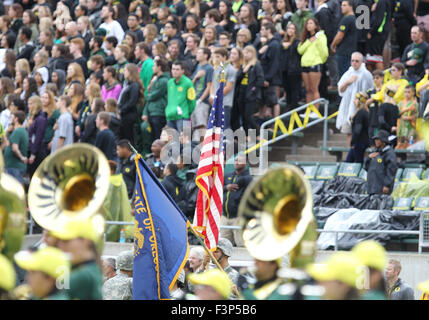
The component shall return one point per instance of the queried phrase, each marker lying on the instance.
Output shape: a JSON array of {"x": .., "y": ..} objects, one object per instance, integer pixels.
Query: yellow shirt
[
  {"x": 420, "y": 84},
  {"x": 399, "y": 95}
]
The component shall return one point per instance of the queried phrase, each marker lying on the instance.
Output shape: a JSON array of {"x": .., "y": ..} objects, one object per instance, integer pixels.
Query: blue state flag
[{"x": 161, "y": 238}]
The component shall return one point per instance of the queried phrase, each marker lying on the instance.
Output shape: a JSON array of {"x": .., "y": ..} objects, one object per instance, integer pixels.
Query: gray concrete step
[{"x": 315, "y": 158}]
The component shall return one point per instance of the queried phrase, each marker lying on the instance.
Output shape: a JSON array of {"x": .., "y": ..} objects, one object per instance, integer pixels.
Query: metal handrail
[{"x": 264, "y": 133}]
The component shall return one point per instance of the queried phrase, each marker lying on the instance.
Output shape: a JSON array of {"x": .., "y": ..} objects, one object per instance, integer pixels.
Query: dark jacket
[
  {"x": 400, "y": 291},
  {"x": 419, "y": 52},
  {"x": 128, "y": 99},
  {"x": 291, "y": 59},
  {"x": 270, "y": 62},
  {"x": 326, "y": 20},
  {"x": 360, "y": 128},
  {"x": 404, "y": 12},
  {"x": 187, "y": 199},
  {"x": 381, "y": 17},
  {"x": 255, "y": 82},
  {"x": 90, "y": 131},
  {"x": 231, "y": 199},
  {"x": 387, "y": 116},
  {"x": 156, "y": 99},
  {"x": 381, "y": 170},
  {"x": 127, "y": 167},
  {"x": 36, "y": 133},
  {"x": 25, "y": 51},
  {"x": 172, "y": 184}
]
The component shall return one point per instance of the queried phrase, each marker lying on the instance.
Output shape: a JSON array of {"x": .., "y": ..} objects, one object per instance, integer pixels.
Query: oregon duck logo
[{"x": 379, "y": 160}]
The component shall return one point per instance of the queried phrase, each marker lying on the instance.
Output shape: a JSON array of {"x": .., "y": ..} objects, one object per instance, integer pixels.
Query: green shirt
[
  {"x": 86, "y": 282},
  {"x": 19, "y": 136},
  {"x": 181, "y": 99},
  {"x": 146, "y": 73},
  {"x": 49, "y": 131}
]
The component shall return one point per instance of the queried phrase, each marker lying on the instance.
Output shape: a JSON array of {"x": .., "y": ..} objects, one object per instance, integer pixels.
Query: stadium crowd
[{"x": 114, "y": 73}]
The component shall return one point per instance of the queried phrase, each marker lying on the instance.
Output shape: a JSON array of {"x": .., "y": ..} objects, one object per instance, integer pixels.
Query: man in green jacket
[
  {"x": 181, "y": 98},
  {"x": 301, "y": 15},
  {"x": 142, "y": 52},
  {"x": 156, "y": 98}
]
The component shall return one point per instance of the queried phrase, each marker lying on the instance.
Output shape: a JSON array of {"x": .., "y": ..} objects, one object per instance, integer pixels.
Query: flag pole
[{"x": 212, "y": 257}]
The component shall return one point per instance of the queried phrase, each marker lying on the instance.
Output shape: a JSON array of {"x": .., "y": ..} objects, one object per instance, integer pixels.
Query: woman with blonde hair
[
  {"x": 92, "y": 91},
  {"x": 46, "y": 23},
  {"x": 52, "y": 115},
  {"x": 22, "y": 64},
  {"x": 74, "y": 75},
  {"x": 360, "y": 121},
  {"x": 37, "y": 123},
  {"x": 76, "y": 93},
  {"x": 44, "y": 12},
  {"x": 19, "y": 79},
  {"x": 150, "y": 33},
  {"x": 209, "y": 37},
  {"x": 236, "y": 58},
  {"x": 248, "y": 91},
  {"x": 159, "y": 49},
  {"x": 244, "y": 38}
]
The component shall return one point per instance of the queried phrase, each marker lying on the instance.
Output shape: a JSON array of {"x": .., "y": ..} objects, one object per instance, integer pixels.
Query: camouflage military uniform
[
  {"x": 120, "y": 287},
  {"x": 233, "y": 276}
]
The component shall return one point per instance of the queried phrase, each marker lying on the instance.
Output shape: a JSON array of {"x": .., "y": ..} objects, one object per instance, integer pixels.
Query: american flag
[{"x": 210, "y": 175}]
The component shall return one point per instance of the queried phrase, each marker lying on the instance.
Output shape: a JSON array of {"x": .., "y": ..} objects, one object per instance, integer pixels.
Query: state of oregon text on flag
[{"x": 161, "y": 238}]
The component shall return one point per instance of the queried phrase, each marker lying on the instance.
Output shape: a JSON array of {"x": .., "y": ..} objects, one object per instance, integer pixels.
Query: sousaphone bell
[{"x": 72, "y": 183}]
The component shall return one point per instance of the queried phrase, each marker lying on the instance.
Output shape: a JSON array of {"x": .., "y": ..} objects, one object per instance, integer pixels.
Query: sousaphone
[
  {"x": 72, "y": 183},
  {"x": 13, "y": 214},
  {"x": 277, "y": 218}
]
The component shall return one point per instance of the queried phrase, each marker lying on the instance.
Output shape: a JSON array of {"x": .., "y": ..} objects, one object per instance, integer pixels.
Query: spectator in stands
[
  {"x": 112, "y": 26},
  {"x": 291, "y": 66},
  {"x": 270, "y": 57},
  {"x": 89, "y": 133},
  {"x": 121, "y": 56},
  {"x": 16, "y": 147},
  {"x": 171, "y": 182},
  {"x": 64, "y": 128},
  {"x": 26, "y": 50},
  {"x": 397, "y": 83},
  {"x": 109, "y": 267},
  {"x": 188, "y": 194},
  {"x": 126, "y": 165},
  {"x": 172, "y": 31},
  {"x": 373, "y": 105},
  {"x": 156, "y": 98},
  {"x": 202, "y": 79},
  {"x": 95, "y": 46},
  {"x": 359, "y": 125},
  {"x": 404, "y": 19},
  {"x": 105, "y": 139},
  {"x": 301, "y": 15},
  {"x": 154, "y": 159},
  {"x": 244, "y": 38},
  {"x": 36, "y": 131},
  {"x": 145, "y": 64},
  {"x": 111, "y": 87},
  {"x": 248, "y": 92},
  {"x": 397, "y": 289},
  {"x": 408, "y": 112},
  {"x": 345, "y": 41},
  {"x": 356, "y": 79},
  {"x": 190, "y": 54},
  {"x": 181, "y": 98},
  {"x": 415, "y": 57},
  {"x": 235, "y": 184},
  {"x": 379, "y": 30},
  {"x": 131, "y": 95},
  {"x": 314, "y": 52},
  {"x": 381, "y": 165},
  {"x": 133, "y": 25},
  {"x": 247, "y": 20}
]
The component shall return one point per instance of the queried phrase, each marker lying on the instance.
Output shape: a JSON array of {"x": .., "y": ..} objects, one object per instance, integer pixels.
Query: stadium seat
[
  {"x": 362, "y": 174},
  {"x": 402, "y": 204},
  {"x": 327, "y": 171},
  {"x": 398, "y": 174},
  {"x": 422, "y": 204},
  {"x": 310, "y": 168},
  {"x": 348, "y": 169},
  {"x": 408, "y": 172}
]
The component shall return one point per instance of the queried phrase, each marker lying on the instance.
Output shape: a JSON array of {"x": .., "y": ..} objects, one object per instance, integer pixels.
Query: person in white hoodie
[{"x": 356, "y": 79}]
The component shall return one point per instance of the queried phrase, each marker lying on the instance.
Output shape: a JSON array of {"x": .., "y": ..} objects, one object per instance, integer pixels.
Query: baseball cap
[
  {"x": 7, "y": 272},
  {"x": 76, "y": 228},
  {"x": 214, "y": 278},
  {"x": 49, "y": 260},
  {"x": 340, "y": 266},
  {"x": 371, "y": 254},
  {"x": 383, "y": 135}
]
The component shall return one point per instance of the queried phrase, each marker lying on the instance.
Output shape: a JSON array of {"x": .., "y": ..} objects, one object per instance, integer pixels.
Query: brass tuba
[
  {"x": 277, "y": 218},
  {"x": 71, "y": 183},
  {"x": 13, "y": 213}
]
